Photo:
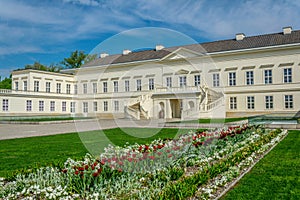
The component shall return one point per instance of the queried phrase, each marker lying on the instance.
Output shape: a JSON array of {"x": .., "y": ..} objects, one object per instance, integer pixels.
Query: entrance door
[{"x": 176, "y": 108}]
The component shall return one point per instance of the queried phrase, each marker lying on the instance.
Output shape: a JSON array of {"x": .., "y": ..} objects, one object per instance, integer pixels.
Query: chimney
[
  {"x": 159, "y": 47},
  {"x": 103, "y": 55},
  {"x": 287, "y": 30},
  {"x": 126, "y": 51},
  {"x": 239, "y": 36}
]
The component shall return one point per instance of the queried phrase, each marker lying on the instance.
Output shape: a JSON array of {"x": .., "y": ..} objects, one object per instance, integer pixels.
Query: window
[
  {"x": 95, "y": 88},
  {"x": 72, "y": 107},
  {"x": 68, "y": 89},
  {"x": 104, "y": 87},
  {"x": 287, "y": 75},
  {"x": 64, "y": 106},
  {"x": 232, "y": 78},
  {"x": 25, "y": 85},
  {"x": 250, "y": 102},
  {"x": 288, "y": 101},
  {"x": 52, "y": 106},
  {"x": 84, "y": 88},
  {"x": 116, "y": 105},
  {"x": 249, "y": 78},
  {"x": 16, "y": 85},
  {"x": 28, "y": 105},
  {"x": 169, "y": 82},
  {"x": 127, "y": 87},
  {"x": 268, "y": 76},
  {"x": 139, "y": 85},
  {"x": 5, "y": 105},
  {"x": 182, "y": 81},
  {"x": 36, "y": 87},
  {"x": 116, "y": 86},
  {"x": 105, "y": 105},
  {"x": 48, "y": 87},
  {"x": 197, "y": 80},
  {"x": 216, "y": 80},
  {"x": 151, "y": 84},
  {"x": 58, "y": 87},
  {"x": 233, "y": 103},
  {"x": 85, "y": 107},
  {"x": 41, "y": 106},
  {"x": 75, "y": 89},
  {"x": 269, "y": 102},
  {"x": 95, "y": 106}
]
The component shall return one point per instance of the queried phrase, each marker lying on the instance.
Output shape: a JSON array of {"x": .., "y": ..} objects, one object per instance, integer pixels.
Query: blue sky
[{"x": 49, "y": 30}]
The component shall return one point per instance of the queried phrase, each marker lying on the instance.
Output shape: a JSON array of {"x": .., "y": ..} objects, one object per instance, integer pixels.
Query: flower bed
[{"x": 194, "y": 164}]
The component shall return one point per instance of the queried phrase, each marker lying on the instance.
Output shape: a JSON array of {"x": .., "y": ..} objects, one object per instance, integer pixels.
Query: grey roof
[{"x": 266, "y": 40}]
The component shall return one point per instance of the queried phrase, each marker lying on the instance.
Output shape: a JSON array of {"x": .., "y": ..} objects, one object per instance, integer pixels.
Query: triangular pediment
[
  {"x": 182, "y": 71},
  {"x": 181, "y": 53}
]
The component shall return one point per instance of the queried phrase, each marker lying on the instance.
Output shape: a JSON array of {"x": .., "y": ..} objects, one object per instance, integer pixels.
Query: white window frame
[
  {"x": 169, "y": 82},
  {"x": 197, "y": 80},
  {"x": 232, "y": 103},
  {"x": 68, "y": 88},
  {"x": 72, "y": 107},
  {"x": 249, "y": 77},
  {"x": 84, "y": 88},
  {"x": 268, "y": 76},
  {"x": 288, "y": 101},
  {"x": 216, "y": 79},
  {"x": 48, "y": 87},
  {"x": 232, "y": 78},
  {"x": 16, "y": 85},
  {"x": 5, "y": 105},
  {"x": 58, "y": 88},
  {"x": 105, "y": 106},
  {"x": 41, "y": 106},
  {"x": 75, "y": 89},
  {"x": 127, "y": 86},
  {"x": 269, "y": 102},
  {"x": 52, "y": 106},
  {"x": 116, "y": 106},
  {"x": 250, "y": 102},
  {"x": 105, "y": 87},
  {"x": 151, "y": 83},
  {"x": 95, "y": 88},
  {"x": 138, "y": 85},
  {"x": 287, "y": 75},
  {"x": 28, "y": 105},
  {"x": 85, "y": 107},
  {"x": 116, "y": 86},
  {"x": 25, "y": 85},
  {"x": 64, "y": 106},
  {"x": 182, "y": 81},
  {"x": 36, "y": 85},
  {"x": 95, "y": 106}
]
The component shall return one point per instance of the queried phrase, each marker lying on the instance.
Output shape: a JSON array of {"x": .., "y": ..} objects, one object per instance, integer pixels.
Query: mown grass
[
  {"x": 276, "y": 176},
  {"x": 18, "y": 155},
  {"x": 213, "y": 121}
]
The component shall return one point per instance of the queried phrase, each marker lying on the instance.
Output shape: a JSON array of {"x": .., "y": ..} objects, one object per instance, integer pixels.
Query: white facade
[{"x": 185, "y": 82}]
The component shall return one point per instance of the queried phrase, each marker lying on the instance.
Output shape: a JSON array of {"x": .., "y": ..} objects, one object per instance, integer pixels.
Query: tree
[
  {"x": 75, "y": 60},
  {"x": 5, "y": 83}
]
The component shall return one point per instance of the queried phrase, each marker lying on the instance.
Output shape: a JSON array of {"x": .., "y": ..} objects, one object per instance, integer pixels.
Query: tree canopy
[
  {"x": 5, "y": 83},
  {"x": 75, "y": 60}
]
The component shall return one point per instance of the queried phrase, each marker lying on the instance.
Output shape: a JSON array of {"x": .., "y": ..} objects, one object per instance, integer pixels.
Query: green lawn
[
  {"x": 276, "y": 176},
  {"x": 215, "y": 120},
  {"x": 25, "y": 153}
]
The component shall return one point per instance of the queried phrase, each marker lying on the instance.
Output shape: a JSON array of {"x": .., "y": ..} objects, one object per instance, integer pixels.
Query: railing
[
  {"x": 212, "y": 105},
  {"x": 179, "y": 89},
  {"x": 5, "y": 91},
  {"x": 132, "y": 112}
]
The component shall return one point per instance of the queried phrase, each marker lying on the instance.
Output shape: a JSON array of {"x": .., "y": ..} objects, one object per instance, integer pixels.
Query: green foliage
[
  {"x": 75, "y": 60},
  {"x": 5, "y": 83},
  {"x": 39, "y": 66}
]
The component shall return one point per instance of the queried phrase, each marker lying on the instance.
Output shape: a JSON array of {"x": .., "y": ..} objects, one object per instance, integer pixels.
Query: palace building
[{"x": 244, "y": 76}]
